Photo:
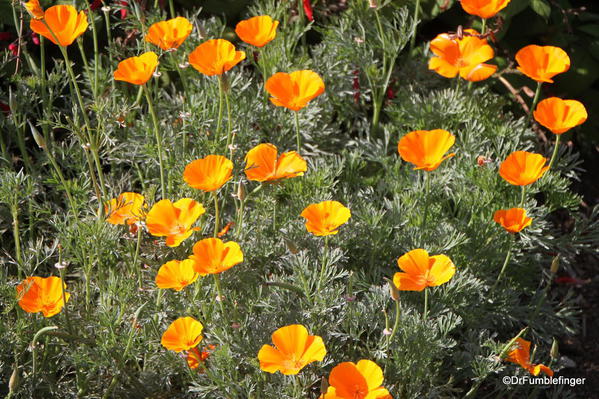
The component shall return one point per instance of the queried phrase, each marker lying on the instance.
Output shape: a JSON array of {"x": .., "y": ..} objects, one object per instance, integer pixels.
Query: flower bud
[
  {"x": 554, "y": 350},
  {"x": 13, "y": 383},
  {"x": 555, "y": 265},
  {"x": 241, "y": 191},
  {"x": 372, "y": 3},
  {"x": 324, "y": 385},
  {"x": 291, "y": 246},
  {"x": 12, "y": 101},
  {"x": 39, "y": 139},
  {"x": 393, "y": 291}
]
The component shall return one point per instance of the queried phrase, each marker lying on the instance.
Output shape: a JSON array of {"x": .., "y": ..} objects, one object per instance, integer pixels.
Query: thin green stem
[
  {"x": 414, "y": 25},
  {"x": 229, "y": 122},
  {"x": 100, "y": 188},
  {"x": 220, "y": 110},
  {"x": 297, "y": 131},
  {"x": 396, "y": 322},
  {"x": 425, "y": 311},
  {"x": 508, "y": 255},
  {"x": 554, "y": 155},
  {"x": 534, "y": 104},
  {"x": 96, "y": 49},
  {"x": 64, "y": 296},
  {"x": 483, "y": 28},
  {"x": 17, "y": 238},
  {"x": 325, "y": 252},
  {"x": 36, "y": 337},
  {"x": 427, "y": 192},
  {"x": 522, "y": 197},
  {"x": 136, "y": 269},
  {"x": 216, "y": 214},
  {"x": 219, "y": 293},
  {"x": 158, "y": 140},
  {"x": 172, "y": 8}
]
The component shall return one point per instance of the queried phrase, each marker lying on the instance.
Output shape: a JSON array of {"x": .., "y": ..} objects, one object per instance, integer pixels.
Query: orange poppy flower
[
  {"x": 559, "y": 115},
  {"x": 522, "y": 168},
  {"x": 422, "y": 270},
  {"x": 521, "y": 356},
  {"x": 215, "y": 57},
  {"x": 176, "y": 274},
  {"x": 64, "y": 22},
  {"x": 294, "y": 90},
  {"x": 137, "y": 70},
  {"x": 38, "y": 294},
  {"x": 426, "y": 148},
  {"x": 126, "y": 208},
  {"x": 264, "y": 165},
  {"x": 360, "y": 380},
  {"x": 484, "y": 8},
  {"x": 209, "y": 173},
  {"x": 34, "y": 9},
  {"x": 195, "y": 358},
  {"x": 213, "y": 256},
  {"x": 513, "y": 220},
  {"x": 324, "y": 218},
  {"x": 174, "y": 221},
  {"x": 183, "y": 334},
  {"x": 294, "y": 349},
  {"x": 257, "y": 31},
  {"x": 170, "y": 34},
  {"x": 541, "y": 63},
  {"x": 465, "y": 56}
]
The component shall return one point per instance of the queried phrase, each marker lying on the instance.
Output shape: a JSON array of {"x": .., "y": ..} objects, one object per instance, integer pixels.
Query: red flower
[
  {"x": 308, "y": 10},
  {"x": 95, "y": 5}
]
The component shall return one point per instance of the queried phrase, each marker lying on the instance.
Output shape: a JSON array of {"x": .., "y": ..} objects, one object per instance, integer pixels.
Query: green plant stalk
[
  {"x": 388, "y": 65},
  {"x": 96, "y": 49},
  {"x": 158, "y": 140},
  {"x": 414, "y": 25},
  {"x": 172, "y": 8},
  {"x": 220, "y": 110},
  {"x": 47, "y": 108},
  {"x": 504, "y": 266},
  {"x": 36, "y": 337},
  {"x": 483, "y": 27},
  {"x": 21, "y": 143},
  {"x": 137, "y": 270},
  {"x": 229, "y": 124},
  {"x": 64, "y": 295},
  {"x": 396, "y": 322},
  {"x": 534, "y": 104},
  {"x": 298, "y": 141},
  {"x": 62, "y": 179},
  {"x": 85, "y": 63},
  {"x": 554, "y": 155},
  {"x": 109, "y": 39},
  {"x": 219, "y": 293},
  {"x": 425, "y": 311},
  {"x": 325, "y": 252},
  {"x": 216, "y": 214},
  {"x": 17, "y": 237},
  {"x": 93, "y": 148},
  {"x": 522, "y": 197},
  {"x": 427, "y": 192}
]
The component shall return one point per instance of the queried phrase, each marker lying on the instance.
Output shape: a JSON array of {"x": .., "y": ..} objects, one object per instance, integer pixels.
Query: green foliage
[{"x": 107, "y": 343}]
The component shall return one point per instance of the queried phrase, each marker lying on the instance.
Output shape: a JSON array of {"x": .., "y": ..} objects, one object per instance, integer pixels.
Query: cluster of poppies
[{"x": 462, "y": 54}]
